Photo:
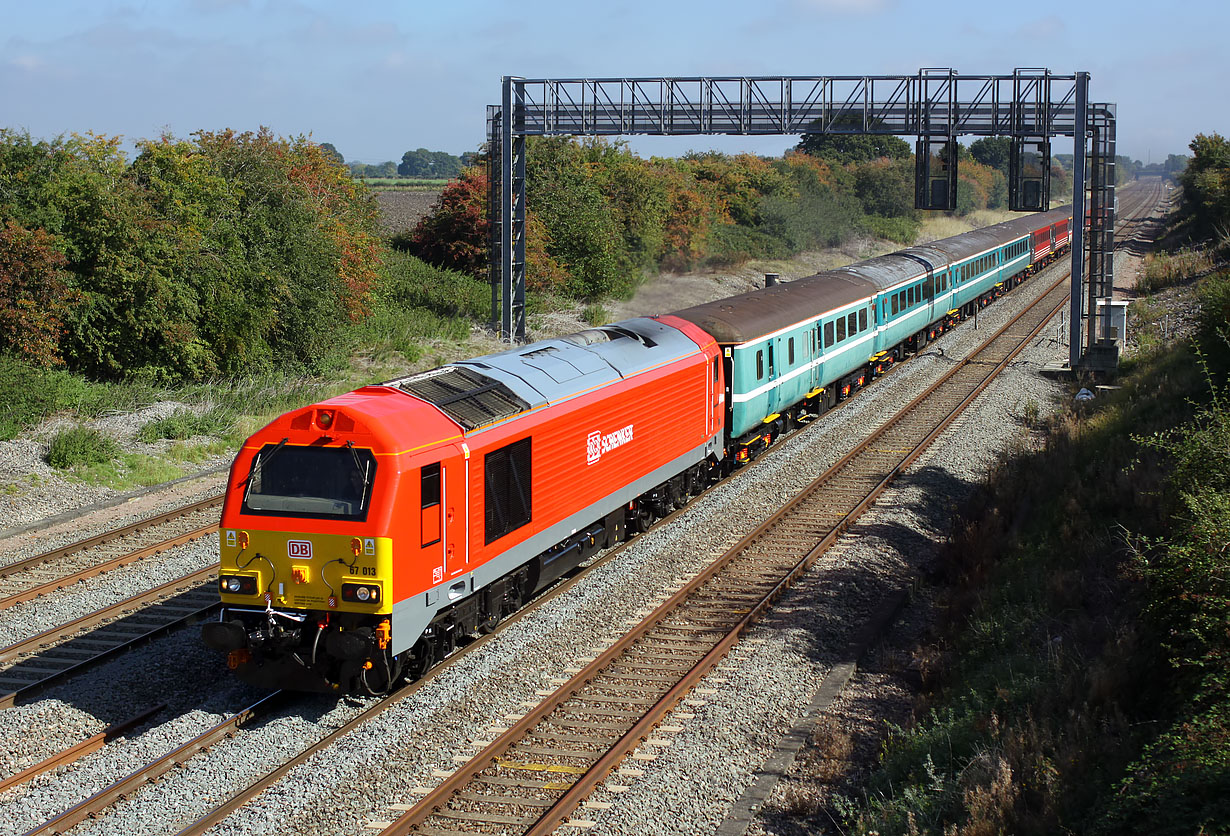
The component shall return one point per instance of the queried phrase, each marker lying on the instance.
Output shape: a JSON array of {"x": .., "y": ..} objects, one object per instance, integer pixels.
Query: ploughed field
[{"x": 401, "y": 209}]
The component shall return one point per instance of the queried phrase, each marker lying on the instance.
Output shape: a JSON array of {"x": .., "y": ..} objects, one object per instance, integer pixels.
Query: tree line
[
  {"x": 599, "y": 217},
  {"x": 419, "y": 164},
  {"x": 215, "y": 255}
]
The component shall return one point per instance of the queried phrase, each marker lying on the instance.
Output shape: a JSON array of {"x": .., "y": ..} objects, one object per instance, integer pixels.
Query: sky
[{"x": 377, "y": 78}]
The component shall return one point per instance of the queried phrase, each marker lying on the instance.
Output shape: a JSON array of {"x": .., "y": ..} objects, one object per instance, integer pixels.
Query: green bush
[
  {"x": 80, "y": 446},
  {"x": 902, "y": 230},
  {"x": 227, "y": 253},
  {"x": 29, "y": 394}
]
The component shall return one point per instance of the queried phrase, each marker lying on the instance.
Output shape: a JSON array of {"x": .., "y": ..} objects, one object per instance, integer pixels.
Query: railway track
[
  {"x": 533, "y": 777},
  {"x": 178, "y": 756},
  {"x": 29, "y": 578},
  {"x": 29, "y": 666}
]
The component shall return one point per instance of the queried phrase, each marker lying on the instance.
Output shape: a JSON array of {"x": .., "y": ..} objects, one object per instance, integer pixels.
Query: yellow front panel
[{"x": 306, "y": 571}]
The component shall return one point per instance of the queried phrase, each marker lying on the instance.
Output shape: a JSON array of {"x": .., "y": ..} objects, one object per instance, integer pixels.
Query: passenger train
[{"x": 362, "y": 537}]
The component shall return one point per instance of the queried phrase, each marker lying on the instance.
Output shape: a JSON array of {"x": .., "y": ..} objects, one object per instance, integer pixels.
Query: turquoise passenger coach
[{"x": 797, "y": 348}]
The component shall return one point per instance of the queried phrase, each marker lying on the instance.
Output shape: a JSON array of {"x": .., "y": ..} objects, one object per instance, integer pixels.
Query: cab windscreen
[{"x": 324, "y": 482}]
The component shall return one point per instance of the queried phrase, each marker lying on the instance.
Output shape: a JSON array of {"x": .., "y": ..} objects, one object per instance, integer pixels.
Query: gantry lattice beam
[{"x": 1029, "y": 103}]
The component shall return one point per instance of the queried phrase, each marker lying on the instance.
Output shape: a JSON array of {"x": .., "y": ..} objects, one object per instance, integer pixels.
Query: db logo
[
  {"x": 299, "y": 548},
  {"x": 437, "y": 574},
  {"x": 593, "y": 447}
]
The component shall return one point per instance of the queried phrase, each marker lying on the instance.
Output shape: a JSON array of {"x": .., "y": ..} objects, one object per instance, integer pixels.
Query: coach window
[
  {"x": 430, "y": 481},
  {"x": 507, "y": 489},
  {"x": 895, "y": 306},
  {"x": 790, "y": 351},
  {"x": 852, "y": 324},
  {"x": 862, "y": 320},
  {"x": 828, "y": 334},
  {"x": 759, "y": 365},
  {"x": 841, "y": 328},
  {"x": 770, "y": 359}
]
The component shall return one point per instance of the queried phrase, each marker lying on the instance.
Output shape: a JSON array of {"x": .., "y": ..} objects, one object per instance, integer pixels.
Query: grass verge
[{"x": 1080, "y": 655}]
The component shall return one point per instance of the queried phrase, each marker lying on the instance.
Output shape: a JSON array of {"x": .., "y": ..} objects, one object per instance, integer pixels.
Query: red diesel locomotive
[{"x": 362, "y": 535}]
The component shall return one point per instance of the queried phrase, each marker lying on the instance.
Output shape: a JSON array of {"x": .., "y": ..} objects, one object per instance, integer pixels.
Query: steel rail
[
  {"x": 108, "y": 536},
  {"x": 80, "y": 750},
  {"x": 564, "y": 805},
  {"x": 178, "y": 756},
  {"x": 100, "y": 568},
  {"x": 59, "y": 634}
]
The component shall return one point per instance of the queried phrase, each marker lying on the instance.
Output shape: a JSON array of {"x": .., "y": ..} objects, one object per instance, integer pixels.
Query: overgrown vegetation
[
  {"x": 1163, "y": 270},
  {"x": 225, "y": 254},
  {"x": 1078, "y": 677}
]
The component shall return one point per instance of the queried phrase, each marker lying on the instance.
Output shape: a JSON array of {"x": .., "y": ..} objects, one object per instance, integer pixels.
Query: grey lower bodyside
[{"x": 411, "y": 616}]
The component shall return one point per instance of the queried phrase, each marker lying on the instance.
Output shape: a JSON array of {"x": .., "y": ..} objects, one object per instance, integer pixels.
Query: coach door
[
  {"x": 928, "y": 294},
  {"x": 442, "y": 510},
  {"x": 816, "y": 346}
]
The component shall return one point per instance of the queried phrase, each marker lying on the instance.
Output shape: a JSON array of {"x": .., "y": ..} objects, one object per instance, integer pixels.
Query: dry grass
[
  {"x": 833, "y": 747},
  {"x": 937, "y": 225},
  {"x": 1164, "y": 270}
]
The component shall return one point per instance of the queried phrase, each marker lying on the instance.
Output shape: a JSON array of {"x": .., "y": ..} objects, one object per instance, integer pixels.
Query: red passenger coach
[
  {"x": 363, "y": 535},
  {"x": 1050, "y": 239}
]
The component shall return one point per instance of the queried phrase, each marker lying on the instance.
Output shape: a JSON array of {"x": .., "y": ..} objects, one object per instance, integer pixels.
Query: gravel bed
[
  {"x": 32, "y": 490},
  {"x": 32, "y": 617},
  {"x": 689, "y": 788},
  {"x": 178, "y": 670},
  {"x": 354, "y": 781},
  {"x": 708, "y": 764}
]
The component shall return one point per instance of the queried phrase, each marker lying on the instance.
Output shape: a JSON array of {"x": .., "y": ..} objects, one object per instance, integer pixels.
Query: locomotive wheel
[
  {"x": 425, "y": 655},
  {"x": 639, "y": 519},
  {"x": 488, "y": 623}
]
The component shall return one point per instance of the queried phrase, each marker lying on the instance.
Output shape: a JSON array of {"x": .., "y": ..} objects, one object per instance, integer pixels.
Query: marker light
[
  {"x": 361, "y": 593},
  {"x": 324, "y": 419}
]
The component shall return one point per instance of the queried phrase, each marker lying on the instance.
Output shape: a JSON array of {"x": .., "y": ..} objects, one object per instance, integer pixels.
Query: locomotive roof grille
[{"x": 469, "y": 398}]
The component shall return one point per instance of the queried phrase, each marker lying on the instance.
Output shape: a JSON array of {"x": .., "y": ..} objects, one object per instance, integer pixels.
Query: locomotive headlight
[
  {"x": 237, "y": 584},
  {"x": 363, "y": 594}
]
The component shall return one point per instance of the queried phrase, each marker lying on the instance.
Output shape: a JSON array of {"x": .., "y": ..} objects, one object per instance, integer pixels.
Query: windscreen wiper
[
  {"x": 260, "y": 463},
  {"x": 363, "y": 471}
]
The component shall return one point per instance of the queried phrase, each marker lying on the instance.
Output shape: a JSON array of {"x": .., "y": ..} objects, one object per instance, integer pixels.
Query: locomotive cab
[{"x": 307, "y": 545}]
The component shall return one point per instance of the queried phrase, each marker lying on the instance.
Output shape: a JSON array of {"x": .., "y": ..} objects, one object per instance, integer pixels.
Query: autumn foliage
[
  {"x": 227, "y": 252},
  {"x": 33, "y": 295}
]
